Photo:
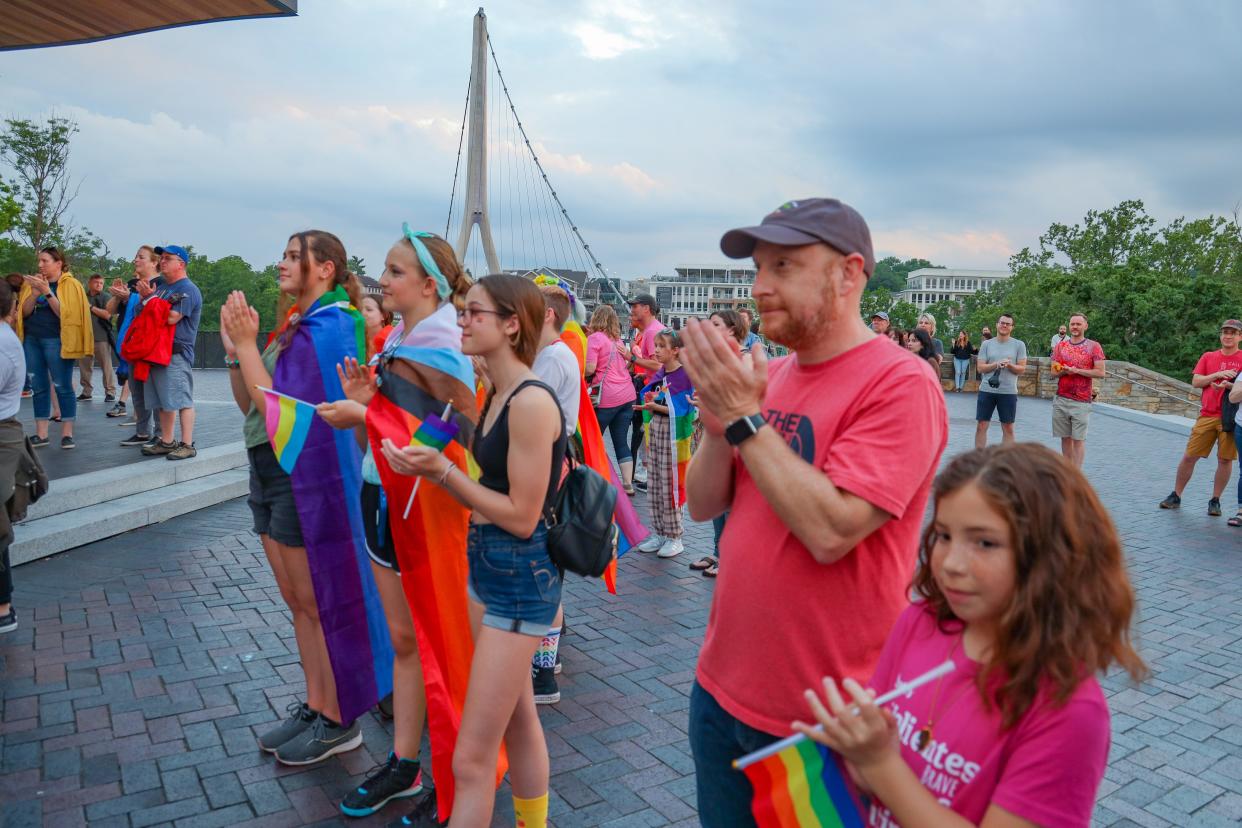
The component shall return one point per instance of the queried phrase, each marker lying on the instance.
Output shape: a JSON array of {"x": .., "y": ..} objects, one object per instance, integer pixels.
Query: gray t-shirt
[
  {"x": 557, "y": 366},
  {"x": 993, "y": 350},
  {"x": 12, "y": 372}
]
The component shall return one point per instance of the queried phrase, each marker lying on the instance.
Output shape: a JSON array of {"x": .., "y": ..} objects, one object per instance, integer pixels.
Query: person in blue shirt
[{"x": 170, "y": 389}]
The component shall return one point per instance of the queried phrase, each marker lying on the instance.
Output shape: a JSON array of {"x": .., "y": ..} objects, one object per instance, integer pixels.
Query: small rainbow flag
[
  {"x": 288, "y": 423},
  {"x": 435, "y": 433},
  {"x": 802, "y": 787}
]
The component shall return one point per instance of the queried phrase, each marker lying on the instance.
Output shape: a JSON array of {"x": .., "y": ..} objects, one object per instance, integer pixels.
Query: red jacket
[{"x": 149, "y": 339}]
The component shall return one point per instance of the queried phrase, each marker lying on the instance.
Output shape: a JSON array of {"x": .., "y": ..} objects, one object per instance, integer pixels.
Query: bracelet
[
  {"x": 448, "y": 469},
  {"x": 232, "y": 364}
]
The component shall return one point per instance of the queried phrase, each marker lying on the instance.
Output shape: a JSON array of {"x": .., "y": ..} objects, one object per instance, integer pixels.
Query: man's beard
[{"x": 799, "y": 333}]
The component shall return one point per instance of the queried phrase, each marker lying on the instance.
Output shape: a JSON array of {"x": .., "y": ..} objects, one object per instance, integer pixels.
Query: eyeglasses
[{"x": 469, "y": 314}]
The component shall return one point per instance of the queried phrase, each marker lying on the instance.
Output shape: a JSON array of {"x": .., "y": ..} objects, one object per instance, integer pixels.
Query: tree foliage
[
  {"x": 890, "y": 273},
  {"x": 38, "y": 154},
  {"x": 1155, "y": 296}
]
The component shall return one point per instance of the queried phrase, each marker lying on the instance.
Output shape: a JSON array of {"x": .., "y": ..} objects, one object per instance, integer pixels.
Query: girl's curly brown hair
[{"x": 1072, "y": 603}]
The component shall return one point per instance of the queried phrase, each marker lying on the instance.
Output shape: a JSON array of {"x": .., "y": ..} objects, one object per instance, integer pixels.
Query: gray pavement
[{"x": 131, "y": 696}]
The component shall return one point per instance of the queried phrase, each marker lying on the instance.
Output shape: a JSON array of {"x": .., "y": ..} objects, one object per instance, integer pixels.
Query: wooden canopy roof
[{"x": 27, "y": 24}]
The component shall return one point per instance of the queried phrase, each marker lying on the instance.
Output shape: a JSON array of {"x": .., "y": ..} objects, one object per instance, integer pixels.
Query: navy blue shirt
[
  {"x": 43, "y": 323},
  {"x": 186, "y": 299}
]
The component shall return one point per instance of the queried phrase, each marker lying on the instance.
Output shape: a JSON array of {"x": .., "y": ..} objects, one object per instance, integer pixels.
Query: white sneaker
[
  {"x": 640, "y": 474},
  {"x": 651, "y": 544},
  {"x": 671, "y": 549}
]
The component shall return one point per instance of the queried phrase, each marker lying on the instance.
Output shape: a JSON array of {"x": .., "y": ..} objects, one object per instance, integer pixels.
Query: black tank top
[{"x": 491, "y": 450}]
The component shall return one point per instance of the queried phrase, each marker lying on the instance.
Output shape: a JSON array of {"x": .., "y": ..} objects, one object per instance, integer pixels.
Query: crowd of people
[{"x": 420, "y": 568}]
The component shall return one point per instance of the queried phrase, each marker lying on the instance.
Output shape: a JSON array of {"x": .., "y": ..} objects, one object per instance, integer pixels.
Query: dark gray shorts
[
  {"x": 271, "y": 498},
  {"x": 170, "y": 387}
]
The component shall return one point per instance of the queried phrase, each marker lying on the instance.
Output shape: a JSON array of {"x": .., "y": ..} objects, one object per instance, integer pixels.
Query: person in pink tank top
[{"x": 1021, "y": 584}]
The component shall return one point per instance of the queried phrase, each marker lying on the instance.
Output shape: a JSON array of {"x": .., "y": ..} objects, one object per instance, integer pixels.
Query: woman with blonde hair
[
  {"x": 927, "y": 322},
  {"x": 612, "y": 391}
]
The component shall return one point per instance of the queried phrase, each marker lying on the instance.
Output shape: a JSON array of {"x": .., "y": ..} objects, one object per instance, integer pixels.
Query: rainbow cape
[
  {"x": 417, "y": 375},
  {"x": 674, "y": 391},
  {"x": 326, "y": 481},
  {"x": 802, "y": 787},
  {"x": 630, "y": 530}
]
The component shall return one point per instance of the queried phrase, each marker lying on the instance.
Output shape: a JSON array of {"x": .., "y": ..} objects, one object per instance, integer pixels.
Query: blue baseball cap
[{"x": 180, "y": 252}]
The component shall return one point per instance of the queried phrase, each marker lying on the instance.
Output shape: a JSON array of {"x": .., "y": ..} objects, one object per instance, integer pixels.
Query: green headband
[{"x": 424, "y": 258}]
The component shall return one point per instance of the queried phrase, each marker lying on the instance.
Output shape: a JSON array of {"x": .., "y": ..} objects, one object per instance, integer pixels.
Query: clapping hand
[
  {"x": 356, "y": 381},
  {"x": 38, "y": 284},
  {"x": 144, "y": 289},
  {"x": 730, "y": 384},
  {"x": 342, "y": 413},
  {"x": 239, "y": 322}
]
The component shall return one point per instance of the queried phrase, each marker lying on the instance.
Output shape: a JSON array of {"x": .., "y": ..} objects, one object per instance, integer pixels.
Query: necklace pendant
[{"x": 923, "y": 738}]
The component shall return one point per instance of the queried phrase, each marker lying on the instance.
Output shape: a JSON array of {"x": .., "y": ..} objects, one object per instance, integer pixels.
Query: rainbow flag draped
[
  {"x": 631, "y": 531},
  {"x": 674, "y": 391},
  {"x": 802, "y": 787},
  {"x": 326, "y": 481},
  {"x": 288, "y": 422},
  {"x": 417, "y": 376}
]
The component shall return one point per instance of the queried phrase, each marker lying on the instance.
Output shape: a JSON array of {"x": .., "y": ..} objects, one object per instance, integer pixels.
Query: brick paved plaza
[{"x": 145, "y": 663}]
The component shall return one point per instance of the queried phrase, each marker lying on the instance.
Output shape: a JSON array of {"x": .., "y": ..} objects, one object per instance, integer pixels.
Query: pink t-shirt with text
[
  {"x": 1046, "y": 769},
  {"x": 1210, "y": 363},
  {"x": 610, "y": 369},
  {"x": 873, "y": 420}
]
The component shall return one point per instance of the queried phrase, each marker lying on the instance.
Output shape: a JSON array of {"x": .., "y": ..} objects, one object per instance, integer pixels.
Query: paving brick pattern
[{"x": 146, "y": 662}]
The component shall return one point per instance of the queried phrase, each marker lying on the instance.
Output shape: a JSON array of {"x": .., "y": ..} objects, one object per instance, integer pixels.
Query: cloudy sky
[{"x": 961, "y": 130}]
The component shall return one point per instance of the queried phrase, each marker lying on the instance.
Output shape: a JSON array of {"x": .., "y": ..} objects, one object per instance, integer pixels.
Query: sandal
[
  {"x": 712, "y": 571},
  {"x": 704, "y": 563},
  {"x": 629, "y": 490},
  {"x": 1236, "y": 520}
]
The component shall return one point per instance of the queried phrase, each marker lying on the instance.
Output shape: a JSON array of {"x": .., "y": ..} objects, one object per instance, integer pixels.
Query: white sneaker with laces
[
  {"x": 651, "y": 544},
  {"x": 671, "y": 549}
]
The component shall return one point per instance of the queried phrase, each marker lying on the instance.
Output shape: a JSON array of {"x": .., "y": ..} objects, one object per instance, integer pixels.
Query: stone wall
[{"x": 1126, "y": 384}]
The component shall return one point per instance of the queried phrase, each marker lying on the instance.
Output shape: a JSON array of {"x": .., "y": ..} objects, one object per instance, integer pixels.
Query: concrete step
[
  {"x": 69, "y": 494},
  {"x": 63, "y": 530}
]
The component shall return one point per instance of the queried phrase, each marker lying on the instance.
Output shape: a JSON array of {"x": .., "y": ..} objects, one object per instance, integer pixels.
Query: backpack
[
  {"x": 29, "y": 484},
  {"x": 582, "y": 537},
  {"x": 1228, "y": 413}
]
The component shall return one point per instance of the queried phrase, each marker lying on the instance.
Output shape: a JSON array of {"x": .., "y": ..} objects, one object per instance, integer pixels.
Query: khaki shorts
[
  {"x": 1069, "y": 418},
  {"x": 1207, "y": 431}
]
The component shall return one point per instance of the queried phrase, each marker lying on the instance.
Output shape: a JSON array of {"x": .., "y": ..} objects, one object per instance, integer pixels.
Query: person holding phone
[{"x": 1002, "y": 360}]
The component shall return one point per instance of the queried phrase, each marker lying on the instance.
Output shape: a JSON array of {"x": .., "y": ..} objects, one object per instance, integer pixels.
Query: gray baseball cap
[
  {"x": 806, "y": 221},
  {"x": 880, "y": 315}
]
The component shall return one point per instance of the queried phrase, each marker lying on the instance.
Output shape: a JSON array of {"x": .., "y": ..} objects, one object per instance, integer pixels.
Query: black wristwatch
[{"x": 741, "y": 430}]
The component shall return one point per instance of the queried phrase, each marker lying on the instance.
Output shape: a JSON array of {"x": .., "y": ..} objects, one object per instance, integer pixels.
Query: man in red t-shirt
[
  {"x": 1214, "y": 373},
  {"x": 645, "y": 320},
  {"x": 824, "y": 460},
  {"x": 1076, "y": 360}
]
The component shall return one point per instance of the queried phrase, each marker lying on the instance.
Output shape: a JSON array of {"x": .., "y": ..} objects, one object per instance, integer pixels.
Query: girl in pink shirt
[{"x": 1024, "y": 588}]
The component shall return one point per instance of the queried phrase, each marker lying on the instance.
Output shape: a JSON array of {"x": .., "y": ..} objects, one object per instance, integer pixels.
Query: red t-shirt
[
  {"x": 1083, "y": 355},
  {"x": 1046, "y": 769},
  {"x": 874, "y": 421},
  {"x": 1210, "y": 363}
]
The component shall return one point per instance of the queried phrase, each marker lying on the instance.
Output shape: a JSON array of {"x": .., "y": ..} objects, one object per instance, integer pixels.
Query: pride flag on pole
[
  {"x": 288, "y": 422},
  {"x": 802, "y": 787}
]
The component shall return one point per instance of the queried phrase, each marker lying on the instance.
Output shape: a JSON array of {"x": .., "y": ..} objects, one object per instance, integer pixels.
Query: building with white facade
[
  {"x": 697, "y": 290},
  {"x": 929, "y": 285}
]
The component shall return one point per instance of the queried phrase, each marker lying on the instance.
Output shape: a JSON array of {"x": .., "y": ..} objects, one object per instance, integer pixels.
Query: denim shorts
[
  {"x": 271, "y": 498},
  {"x": 514, "y": 579}
]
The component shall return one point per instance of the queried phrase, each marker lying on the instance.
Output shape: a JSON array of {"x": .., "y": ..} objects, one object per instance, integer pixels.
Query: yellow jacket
[{"x": 77, "y": 334}]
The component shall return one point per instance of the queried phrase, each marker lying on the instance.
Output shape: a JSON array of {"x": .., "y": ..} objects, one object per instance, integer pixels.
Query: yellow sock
[{"x": 531, "y": 813}]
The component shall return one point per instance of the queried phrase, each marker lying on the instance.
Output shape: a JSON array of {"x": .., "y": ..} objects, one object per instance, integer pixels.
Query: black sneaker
[
  {"x": 110, "y": 398},
  {"x": 1214, "y": 507},
  {"x": 395, "y": 779},
  {"x": 640, "y": 485},
  {"x": 158, "y": 448},
  {"x": 117, "y": 410},
  {"x": 546, "y": 690},
  {"x": 68, "y": 443},
  {"x": 136, "y": 440},
  {"x": 300, "y": 718},
  {"x": 38, "y": 442},
  {"x": 557, "y": 669},
  {"x": 8, "y": 621},
  {"x": 322, "y": 739},
  {"x": 424, "y": 814},
  {"x": 1173, "y": 501},
  {"x": 84, "y": 397}
]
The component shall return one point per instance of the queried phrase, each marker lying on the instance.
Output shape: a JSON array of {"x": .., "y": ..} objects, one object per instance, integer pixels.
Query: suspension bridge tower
[{"x": 475, "y": 211}]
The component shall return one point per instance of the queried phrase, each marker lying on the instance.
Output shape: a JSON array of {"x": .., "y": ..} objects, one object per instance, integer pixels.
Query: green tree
[
  {"x": 39, "y": 156},
  {"x": 1153, "y": 295},
  {"x": 357, "y": 265},
  {"x": 890, "y": 273}
]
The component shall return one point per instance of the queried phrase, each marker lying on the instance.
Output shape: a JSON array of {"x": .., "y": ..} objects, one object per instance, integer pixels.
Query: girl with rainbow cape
[
  {"x": 419, "y": 561},
  {"x": 304, "y": 498}
]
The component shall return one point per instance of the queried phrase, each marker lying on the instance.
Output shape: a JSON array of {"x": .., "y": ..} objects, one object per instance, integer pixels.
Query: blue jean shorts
[{"x": 514, "y": 579}]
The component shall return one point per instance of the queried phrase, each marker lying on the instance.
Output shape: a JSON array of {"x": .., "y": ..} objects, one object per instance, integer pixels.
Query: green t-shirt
[{"x": 254, "y": 429}]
